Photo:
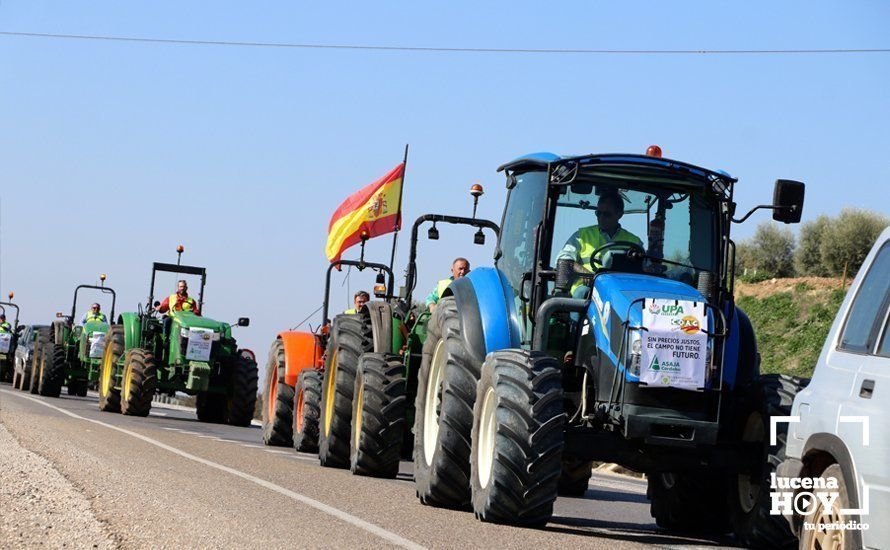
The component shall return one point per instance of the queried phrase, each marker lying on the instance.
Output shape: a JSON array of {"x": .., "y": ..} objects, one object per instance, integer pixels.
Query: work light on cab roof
[{"x": 653, "y": 151}]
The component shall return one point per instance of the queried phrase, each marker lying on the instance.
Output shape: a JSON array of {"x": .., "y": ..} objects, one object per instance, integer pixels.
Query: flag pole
[{"x": 395, "y": 234}]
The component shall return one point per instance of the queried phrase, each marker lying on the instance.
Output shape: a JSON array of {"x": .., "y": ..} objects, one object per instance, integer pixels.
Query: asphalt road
[{"x": 171, "y": 481}]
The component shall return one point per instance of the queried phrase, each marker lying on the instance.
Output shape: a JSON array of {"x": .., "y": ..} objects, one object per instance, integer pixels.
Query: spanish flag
[{"x": 375, "y": 210}]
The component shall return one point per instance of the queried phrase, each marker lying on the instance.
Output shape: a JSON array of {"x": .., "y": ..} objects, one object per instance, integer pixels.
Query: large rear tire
[
  {"x": 140, "y": 380},
  {"x": 109, "y": 396},
  {"x": 378, "y": 416},
  {"x": 241, "y": 404},
  {"x": 349, "y": 339},
  {"x": 518, "y": 437},
  {"x": 278, "y": 401},
  {"x": 749, "y": 499},
  {"x": 211, "y": 407},
  {"x": 307, "y": 410},
  {"x": 52, "y": 370},
  {"x": 443, "y": 421}
]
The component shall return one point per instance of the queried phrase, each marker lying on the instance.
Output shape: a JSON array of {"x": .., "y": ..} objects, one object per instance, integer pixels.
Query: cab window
[{"x": 869, "y": 308}]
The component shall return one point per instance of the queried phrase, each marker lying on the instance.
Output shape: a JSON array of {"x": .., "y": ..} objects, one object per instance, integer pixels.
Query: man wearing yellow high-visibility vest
[
  {"x": 94, "y": 314},
  {"x": 181, "y": 301},
  {"x": 358, "y": 301},
  {"x": 459, "y": 268},
  {"x": 584, "y": 242}
]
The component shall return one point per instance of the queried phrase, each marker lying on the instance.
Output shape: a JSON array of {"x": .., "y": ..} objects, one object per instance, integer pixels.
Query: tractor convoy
[{"x": 585, "y": 340}]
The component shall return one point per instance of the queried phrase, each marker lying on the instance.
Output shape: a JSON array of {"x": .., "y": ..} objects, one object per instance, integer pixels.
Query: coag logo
[{"x": 690, "y": 325}]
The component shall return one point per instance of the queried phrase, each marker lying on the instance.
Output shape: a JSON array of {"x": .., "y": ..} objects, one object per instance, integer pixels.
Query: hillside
[{"x": 791, "y": 318}]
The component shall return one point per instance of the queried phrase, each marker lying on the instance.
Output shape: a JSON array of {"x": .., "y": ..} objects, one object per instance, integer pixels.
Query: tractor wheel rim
[
  {"x": 128, "y": 382},
  {"x": 105, "y": 382},
  {"x": 828, "y": 539},
  {"x": 331, "y": 387},
  {"x": 273, "y": 396},
  {"x": 487, "y": 435},
  {"x": 432, "y": 403},
  {"x": 749, "y": 486},
  {"x": 298, "y": 413},
  {"x": 357, "y": 416}
]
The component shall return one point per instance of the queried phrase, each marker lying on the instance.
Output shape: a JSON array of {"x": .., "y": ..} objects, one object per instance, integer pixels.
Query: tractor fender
[
  {"x": 741, "y": 364},
  {"x": 301, "y": 351},
  {"x": 487, "y": 317},
  {"x": 381, "y": 326},
  {"x": 132, "y": 329}
]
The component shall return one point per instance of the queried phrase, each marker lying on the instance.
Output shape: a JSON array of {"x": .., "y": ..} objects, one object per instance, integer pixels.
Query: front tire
[
  {"x": 443, "y": 421},
  {"x": 378, "y": 416},
  {"x": 109, "y": 396},
  {"x": 140, "y": 379},
  {"x": 52, "y": 370},
  {"x": 349, "y": 339},
  {"x": 575, "y": 478},
  {"x": 278, "y": 401},
  {"x": 518, "y": 437},
  {"x": 689, "y": 502},
  {"x": 307, "y": 410},
  {"x": 241, "y": 404}
]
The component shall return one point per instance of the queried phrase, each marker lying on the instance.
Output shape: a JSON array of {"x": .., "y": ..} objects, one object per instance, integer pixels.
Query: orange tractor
[{"x": 294, "y": 371}]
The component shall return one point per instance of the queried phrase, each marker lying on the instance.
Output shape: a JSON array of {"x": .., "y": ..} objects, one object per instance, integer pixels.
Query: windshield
[{"x": 589, "y": 216}]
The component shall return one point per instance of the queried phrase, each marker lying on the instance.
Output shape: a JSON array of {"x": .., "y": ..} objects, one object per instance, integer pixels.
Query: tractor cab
[
  {"x": 9, "y": 340},
  {"x": 182, "y": 337}
]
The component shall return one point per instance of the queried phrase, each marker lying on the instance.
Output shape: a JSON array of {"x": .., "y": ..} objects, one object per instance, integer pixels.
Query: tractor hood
[
  {"x": 95, "y": 326},
  {"x": 615, "y": 292},
  {"x": 186, "y": 320}
]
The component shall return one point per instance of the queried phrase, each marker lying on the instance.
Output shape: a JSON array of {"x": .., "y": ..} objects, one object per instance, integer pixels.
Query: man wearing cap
[{"x": 4, "y": 325}]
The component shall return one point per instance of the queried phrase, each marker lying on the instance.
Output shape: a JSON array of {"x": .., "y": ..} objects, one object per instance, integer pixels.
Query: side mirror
[
  {"x": 788, "y": 201},
  {"x": 479, "y": 237},
  {"x": 243, "y": 321},
  {"x": 156, "y": 304},
  {"x": 433, "y": 233},
  {"x": 19, "y": 329}
]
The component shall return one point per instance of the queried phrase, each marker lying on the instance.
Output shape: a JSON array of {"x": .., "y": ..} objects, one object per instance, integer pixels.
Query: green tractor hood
[{"x": 187, "y": 320}]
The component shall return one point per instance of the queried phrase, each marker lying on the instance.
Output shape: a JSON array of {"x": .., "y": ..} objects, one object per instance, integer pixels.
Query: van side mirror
[
  {"x": 156, "y": 304},
  {"x": 788, "y": 201},
  {"x": 243, "y": 321}
]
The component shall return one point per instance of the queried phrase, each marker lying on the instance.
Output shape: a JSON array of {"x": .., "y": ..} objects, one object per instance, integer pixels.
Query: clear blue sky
[{"x": 114, "y": 153}]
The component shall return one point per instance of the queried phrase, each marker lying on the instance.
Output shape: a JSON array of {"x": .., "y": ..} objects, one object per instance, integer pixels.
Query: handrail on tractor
[
  {"x": 104, "y": 289},
  {"x": 177, "y": 268},
  {"x": 361, "y": 265},
  {"x": 411, "y": 272}
]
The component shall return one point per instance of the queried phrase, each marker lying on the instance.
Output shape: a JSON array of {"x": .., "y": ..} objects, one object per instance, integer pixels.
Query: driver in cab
[
  {"x": 584, "y": 242},
  {"x": 181, "y": 301}
]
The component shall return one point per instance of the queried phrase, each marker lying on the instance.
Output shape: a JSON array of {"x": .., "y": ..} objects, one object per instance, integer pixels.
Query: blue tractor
[{"x": 594, "y": 340}]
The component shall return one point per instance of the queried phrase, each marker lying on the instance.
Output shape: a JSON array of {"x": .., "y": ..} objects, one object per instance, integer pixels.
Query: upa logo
[{"x": 805, "y": 496}]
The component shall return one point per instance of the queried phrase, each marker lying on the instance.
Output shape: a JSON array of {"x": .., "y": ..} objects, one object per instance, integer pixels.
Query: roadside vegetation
[{"x": 791, "y": 287}]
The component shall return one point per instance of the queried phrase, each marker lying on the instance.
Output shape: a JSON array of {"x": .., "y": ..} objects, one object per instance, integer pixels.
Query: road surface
[{"x": 105, "y": 480}]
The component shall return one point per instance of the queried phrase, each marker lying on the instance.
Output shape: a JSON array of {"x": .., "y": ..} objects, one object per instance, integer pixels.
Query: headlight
[{"x": 634, "y": 352}]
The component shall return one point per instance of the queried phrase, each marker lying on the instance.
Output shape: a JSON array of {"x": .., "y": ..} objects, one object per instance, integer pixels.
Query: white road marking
[
  {"x": 171, "y": 429},
  {"x": 251, "y": 445},
  {"x": 276, "y": 451},
  {"x": 158, "y": 414},
  {"x": 318, "y": 505}
]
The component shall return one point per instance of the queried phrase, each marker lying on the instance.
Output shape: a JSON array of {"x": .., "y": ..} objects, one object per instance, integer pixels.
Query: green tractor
[
  {"x": 72, "y": 356},
  {"x": 369, "y": 389},
  {"x": 148, "y": 353},
  {"x": 8, "y": 341}
]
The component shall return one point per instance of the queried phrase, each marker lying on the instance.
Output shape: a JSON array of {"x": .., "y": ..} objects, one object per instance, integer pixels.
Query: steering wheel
[{"x": 625, "y": 245}]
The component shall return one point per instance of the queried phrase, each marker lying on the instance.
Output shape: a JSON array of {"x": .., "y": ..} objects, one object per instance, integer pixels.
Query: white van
[{"x": 839, "y": 423}]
